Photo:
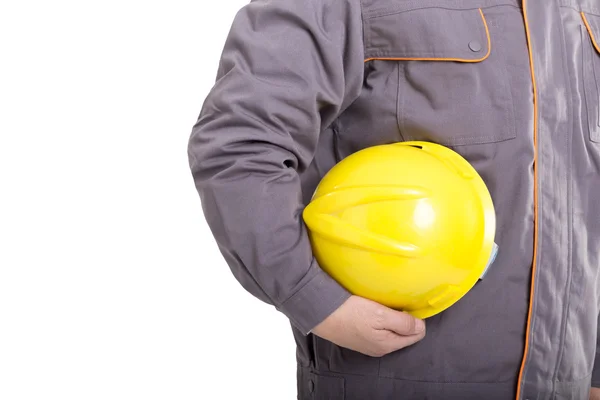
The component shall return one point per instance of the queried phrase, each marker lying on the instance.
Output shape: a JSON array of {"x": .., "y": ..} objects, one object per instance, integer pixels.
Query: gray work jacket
[{"x": 513, "y": 87}]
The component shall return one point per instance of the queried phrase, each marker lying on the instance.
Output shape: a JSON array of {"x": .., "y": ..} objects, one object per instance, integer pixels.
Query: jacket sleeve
[{"x": 288, "y": 69}]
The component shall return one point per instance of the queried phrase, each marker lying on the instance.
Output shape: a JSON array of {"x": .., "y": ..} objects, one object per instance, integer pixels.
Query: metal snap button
[{"x": 475, "y": 46}]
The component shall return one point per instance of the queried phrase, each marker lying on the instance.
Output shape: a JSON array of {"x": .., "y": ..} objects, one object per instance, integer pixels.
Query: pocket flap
[
  {"x": 592, "y": 23},
  {"x": 428, "y": 34}
]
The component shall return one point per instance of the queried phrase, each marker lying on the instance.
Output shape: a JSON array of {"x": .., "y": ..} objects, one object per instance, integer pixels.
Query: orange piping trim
[
  {"x": 589, "y": 28},
  {"x": 465, "y": 60},
  {"x": 535, "y": 202}
]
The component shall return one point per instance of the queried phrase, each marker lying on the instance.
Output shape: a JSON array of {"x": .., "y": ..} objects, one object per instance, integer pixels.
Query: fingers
[
  {"x": 399, "y": 342},
  {"x": 370, "y": 328},
  {"x": 401, "y": 323},
  {"x": 395, "y": 330},
  {"x": 386, "y": 342}
]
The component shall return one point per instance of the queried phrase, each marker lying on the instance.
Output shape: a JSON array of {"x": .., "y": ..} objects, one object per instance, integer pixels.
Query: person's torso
[{"x": 458, "y": 73}]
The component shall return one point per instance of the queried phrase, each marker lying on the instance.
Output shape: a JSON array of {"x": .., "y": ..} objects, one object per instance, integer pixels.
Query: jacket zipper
[{"x": 535, "y": 204}]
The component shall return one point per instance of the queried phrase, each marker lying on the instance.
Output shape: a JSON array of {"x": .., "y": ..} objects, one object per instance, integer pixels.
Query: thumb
[{"x": 402, "y": 323}]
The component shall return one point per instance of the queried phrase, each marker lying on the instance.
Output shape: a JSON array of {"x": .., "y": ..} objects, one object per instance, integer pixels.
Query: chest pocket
[
  {"x": 591, "y": 72},
  {"x": 453, "y": 87}
]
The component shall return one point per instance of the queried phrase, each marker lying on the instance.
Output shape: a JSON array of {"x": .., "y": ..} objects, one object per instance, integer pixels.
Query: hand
[
  {"x": 368, "y": 327},
  {"x": 595, "y": 394}
]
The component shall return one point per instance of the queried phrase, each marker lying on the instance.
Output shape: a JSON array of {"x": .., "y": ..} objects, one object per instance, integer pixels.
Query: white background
[{"x": 111, "y": 286}]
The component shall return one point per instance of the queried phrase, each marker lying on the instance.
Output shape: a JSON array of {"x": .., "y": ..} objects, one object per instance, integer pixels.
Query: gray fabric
[
  {"x": 287, "y": 71},
  {"x": 294, "y": 96},
  {"x": 393, "y": 35}
]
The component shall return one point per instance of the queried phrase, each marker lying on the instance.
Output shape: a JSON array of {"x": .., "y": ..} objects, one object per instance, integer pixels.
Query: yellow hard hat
[{"x": 410, "y": 225}]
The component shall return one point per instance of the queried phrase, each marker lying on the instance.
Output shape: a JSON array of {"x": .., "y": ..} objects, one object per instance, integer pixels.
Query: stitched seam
[
  {"x": 417, "y": 381},
  {"x": 533, "y": 313},
  {"x": 593, "y": 119},
  {"x": 537, "y": 205},
  {"x": 385, "y": 12},
  {"x": 365, "y": 32},
  {"x": 398, "y": 12},
  {"x": 586, "y": 96},
  {"x": 400, "y": 103},
  {"x": 462, "y": 141},
  {"x": 466, "y": 60},
  {"x": 589, "y": 29},
  {"x": 569, "y": 284},
  {"x": 421, "y": 55},
  {"x": 510, "y": 122},
  {"x": 333, "y": 374},
  {"x": 574, "y": 382},
  {"x": 481, "y": 137},
  {"x": 588, "y": 10}
]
